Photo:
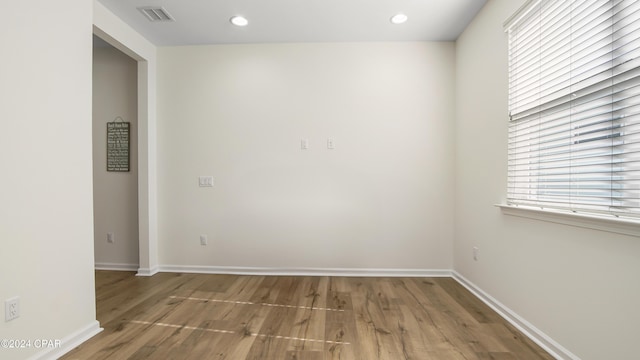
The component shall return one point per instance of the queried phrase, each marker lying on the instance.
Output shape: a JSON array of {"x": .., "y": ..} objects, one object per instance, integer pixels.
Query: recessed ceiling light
[
  {"x": 239, "y": 21},
  {"x": 399, "y": 18}
]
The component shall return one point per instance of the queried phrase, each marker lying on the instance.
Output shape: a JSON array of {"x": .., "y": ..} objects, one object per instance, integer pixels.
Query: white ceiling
[{"x": 207, "y": 21}]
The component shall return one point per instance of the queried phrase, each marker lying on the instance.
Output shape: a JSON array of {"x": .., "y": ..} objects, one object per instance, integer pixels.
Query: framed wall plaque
[{"x": 118, "y": 145}]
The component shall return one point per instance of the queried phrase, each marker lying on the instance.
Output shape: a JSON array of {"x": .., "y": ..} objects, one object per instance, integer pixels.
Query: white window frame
[{"x": 603, "y": 222}]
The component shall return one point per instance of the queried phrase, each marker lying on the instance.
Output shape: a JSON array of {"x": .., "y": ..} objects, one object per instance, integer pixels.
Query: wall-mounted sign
[{"x": 118, "y": 146}]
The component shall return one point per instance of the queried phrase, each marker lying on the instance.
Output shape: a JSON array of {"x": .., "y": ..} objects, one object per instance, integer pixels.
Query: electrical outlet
[
  {"x": 11, "y": 308},
  {"x": 330, "y": 144},
  {"x": 203, "y": 240},
  {"x": 476, "y": 252},
  {"x": 110, "y": 237}
]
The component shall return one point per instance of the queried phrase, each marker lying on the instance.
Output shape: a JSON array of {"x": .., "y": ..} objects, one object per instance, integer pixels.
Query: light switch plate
[{"x": 205, "y": 181}]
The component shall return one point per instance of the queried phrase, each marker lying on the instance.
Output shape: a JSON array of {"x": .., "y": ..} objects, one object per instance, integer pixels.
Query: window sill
[{"x": 609, "y": 224}]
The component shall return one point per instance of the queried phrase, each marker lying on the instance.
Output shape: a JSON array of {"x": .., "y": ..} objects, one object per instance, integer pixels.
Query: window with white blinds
[{"x": 574, "y": 105}]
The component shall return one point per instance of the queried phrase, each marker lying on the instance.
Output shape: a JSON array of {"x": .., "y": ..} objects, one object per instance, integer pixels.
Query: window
[{"x": 574, "y": 105}]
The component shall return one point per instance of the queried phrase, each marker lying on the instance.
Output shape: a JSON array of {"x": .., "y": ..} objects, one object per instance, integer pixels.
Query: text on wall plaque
[{"x": 118, "y": 146}]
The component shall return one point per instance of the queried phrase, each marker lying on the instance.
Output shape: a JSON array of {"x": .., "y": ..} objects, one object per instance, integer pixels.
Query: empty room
[{"x": 392, "y": 179}]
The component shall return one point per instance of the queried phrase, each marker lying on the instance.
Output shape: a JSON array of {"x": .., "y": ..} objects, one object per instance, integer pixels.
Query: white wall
[
  {"x": 578, "y": 286},
  {"x": 381, "y": 199},
  {"x": 115, "y": 194},
  {"x": 46, "y": 221}
]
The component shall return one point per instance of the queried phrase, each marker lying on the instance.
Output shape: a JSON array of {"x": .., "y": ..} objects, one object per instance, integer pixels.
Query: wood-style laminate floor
[{"x": 195, "y": 316}]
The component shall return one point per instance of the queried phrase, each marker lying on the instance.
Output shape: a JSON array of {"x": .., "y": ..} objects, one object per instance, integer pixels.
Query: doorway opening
[{"x": 115, "y": 193}]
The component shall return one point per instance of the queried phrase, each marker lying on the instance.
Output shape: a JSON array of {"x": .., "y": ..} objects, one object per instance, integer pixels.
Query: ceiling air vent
[{"x": 156, "y": 14}]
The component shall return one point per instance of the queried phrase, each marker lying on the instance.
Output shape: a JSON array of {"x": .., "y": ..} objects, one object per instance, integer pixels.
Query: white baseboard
[
  {"x": 147, "y": 271},
  {"x": 116, "y": 267},
  {"x": 536, "y": 335},
  {"x": 266, "y": 271},
  {"x": 70, "y": 342}
]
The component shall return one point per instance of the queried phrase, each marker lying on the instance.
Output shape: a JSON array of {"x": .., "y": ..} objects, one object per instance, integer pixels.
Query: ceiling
[{"x": 274, "y": 21}]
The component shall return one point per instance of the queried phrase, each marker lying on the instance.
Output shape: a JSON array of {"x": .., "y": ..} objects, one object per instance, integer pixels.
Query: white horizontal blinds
[{"x": 574, "y": 102}]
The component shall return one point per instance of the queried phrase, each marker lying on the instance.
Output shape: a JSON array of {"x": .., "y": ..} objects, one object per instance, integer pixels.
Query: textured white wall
[
  {"x": 115, "y": 194},
  {"x": 46, "y": 221},
  {"x": 578, "y": 286},
  {"x": 381, "y": 199}
]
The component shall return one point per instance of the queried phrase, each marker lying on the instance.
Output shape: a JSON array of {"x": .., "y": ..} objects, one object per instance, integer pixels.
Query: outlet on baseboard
[
  {"x": 203, "y": 240},
  {"x": 11, "y": 308},
  {"x": 476, "y": 252}
]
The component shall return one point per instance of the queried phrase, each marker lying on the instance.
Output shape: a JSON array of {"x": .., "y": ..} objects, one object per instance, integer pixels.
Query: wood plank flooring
[{"x": 195, "y": 316}]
